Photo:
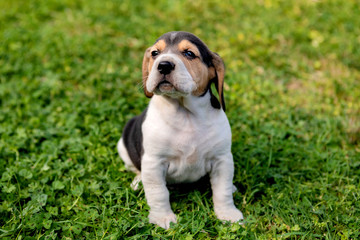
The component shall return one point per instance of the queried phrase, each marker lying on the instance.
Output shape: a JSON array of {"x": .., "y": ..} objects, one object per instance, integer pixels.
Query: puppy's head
[{"x": 180, "y": 64}]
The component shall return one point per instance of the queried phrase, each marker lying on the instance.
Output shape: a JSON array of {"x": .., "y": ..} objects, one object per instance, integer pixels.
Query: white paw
[
  {"x": 136, "y": 183},
  {"x": 230, "y": 214},
  {"x": 162, "y": 219},
  {"x": 234, "y": 189}
]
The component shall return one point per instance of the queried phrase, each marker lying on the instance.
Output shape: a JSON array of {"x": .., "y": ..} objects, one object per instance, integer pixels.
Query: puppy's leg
[
  {"x": 221, "y": 177},
  {"x": 129, "y": 164},
  {"x": 157, "y": 195}
]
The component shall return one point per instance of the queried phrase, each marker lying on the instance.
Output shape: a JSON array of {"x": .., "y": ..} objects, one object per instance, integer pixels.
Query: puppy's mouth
[{"x": 165, "y": 86}]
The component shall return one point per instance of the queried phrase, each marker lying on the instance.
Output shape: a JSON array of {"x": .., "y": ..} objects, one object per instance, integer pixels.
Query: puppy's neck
[{"x": 193, "y": 105}]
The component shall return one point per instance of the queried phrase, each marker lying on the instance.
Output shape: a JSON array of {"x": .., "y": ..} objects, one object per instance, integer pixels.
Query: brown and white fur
[{"x": 184, "y": 133}]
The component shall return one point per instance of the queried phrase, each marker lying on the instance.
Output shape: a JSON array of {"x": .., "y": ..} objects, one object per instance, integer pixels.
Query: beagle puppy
[{"x": 184, "y": 133}]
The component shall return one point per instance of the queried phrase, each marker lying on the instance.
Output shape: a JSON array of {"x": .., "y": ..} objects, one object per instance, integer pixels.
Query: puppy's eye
[
  {"x": 189, "y": 54},
  {"x": 155, "y": 53}
]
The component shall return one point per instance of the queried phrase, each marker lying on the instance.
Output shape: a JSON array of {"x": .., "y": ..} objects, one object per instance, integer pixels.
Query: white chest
[{"x": 187, "y": 143}]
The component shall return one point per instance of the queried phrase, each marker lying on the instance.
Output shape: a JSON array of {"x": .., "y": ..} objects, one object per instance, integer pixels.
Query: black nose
[{"x": 166, "y": 67}]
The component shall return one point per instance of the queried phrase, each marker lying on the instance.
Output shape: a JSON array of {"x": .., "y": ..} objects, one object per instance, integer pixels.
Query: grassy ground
[{"x": 70, "y": 77}]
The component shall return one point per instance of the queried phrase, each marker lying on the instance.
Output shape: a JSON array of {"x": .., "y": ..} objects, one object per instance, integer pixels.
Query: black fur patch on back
[{"x": 133, "y": 139}]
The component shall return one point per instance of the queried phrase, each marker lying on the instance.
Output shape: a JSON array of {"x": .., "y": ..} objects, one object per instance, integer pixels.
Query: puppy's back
[{"x": 133, "y": 139}]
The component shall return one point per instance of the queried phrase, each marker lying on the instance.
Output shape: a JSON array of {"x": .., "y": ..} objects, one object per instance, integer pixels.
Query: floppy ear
[
  {"x": 145, "y": 72},
  {"x": 219, "y": 77}
]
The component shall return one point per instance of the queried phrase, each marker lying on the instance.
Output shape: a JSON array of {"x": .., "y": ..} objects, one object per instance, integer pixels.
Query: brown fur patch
[
  {"x": 220, "y": 72},
  {"x": 145, "y": 71},
  {"x": 196, "y": 67},
  {"x": 187, "y": 45},
  {"x": 159, "y": 45}
]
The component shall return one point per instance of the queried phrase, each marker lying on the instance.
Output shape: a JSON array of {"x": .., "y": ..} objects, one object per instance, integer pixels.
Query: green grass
[{"x": 70, "y": 78}]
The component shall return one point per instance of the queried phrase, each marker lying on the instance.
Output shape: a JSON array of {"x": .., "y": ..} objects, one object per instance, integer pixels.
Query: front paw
[
  {"x": 229, "y": 214},
  {"x": 162, "y": 219}
]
